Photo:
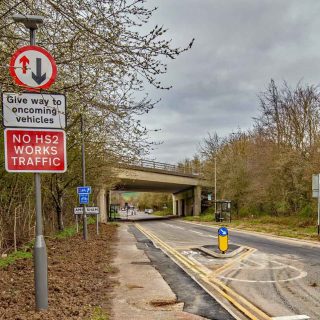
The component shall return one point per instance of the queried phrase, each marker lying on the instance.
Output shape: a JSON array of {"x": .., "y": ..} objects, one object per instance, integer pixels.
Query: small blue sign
[
  {"x": 84, "y": 198},
  {"x": 223, "y": 231},
  {"x": 83, "y": 190}
]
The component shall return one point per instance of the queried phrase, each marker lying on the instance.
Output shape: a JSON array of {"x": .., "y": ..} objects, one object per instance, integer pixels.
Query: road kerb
[{"x": 248, "y": 310}]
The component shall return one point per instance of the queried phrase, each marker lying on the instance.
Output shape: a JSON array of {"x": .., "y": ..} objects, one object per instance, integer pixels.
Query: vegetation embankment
[
  {"x": 294, "y": 226},
  {"x": 25, "y": 252},
  {"x": 80, "y": 284},
  {"x": 163, "y": 213}
]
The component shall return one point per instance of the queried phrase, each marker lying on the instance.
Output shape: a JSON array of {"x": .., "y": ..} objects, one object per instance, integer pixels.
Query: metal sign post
[
  {"x": 318, "y": 205},
  {"x": 84, "y": 217},
  {"x": 33, "y": 68},
  {"x": 97, "y": 224},
  {"x": 40, "y": 253},
  {"x": 89, "y": 211},
  {"x": 316, "y": 194},
  {"x": 215, "y": 184},
  {"x": 40, "y": 250}
]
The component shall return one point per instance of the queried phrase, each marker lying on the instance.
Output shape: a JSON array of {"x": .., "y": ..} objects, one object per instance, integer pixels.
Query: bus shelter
[{"x": 223, "y": 210}]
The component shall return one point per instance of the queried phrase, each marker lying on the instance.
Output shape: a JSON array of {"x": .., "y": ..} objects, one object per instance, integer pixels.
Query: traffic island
[{"x": 214, "y": 251}]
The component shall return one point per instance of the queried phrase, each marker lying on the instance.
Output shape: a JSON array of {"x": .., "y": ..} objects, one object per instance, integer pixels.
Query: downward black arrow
[{"x": 38, "y": 78}]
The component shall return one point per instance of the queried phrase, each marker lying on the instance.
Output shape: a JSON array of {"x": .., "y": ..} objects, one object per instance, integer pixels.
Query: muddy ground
[{"x": 80, "y": 280}]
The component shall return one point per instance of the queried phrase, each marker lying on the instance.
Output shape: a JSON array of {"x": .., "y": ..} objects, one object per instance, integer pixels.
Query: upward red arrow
[{"x": 24, "y": 60}]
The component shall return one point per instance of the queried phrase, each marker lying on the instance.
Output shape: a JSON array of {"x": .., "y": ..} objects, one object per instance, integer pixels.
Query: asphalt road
[
  {"x": 195, "y": 299},
  {"x": 282, "y": 277}
]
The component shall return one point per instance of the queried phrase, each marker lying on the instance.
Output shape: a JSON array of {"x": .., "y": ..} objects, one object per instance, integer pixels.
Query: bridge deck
[{"x": 160, "y": 167}]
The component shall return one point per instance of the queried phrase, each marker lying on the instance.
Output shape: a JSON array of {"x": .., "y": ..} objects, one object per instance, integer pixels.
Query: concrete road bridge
[{"x": 184, "y": 184}]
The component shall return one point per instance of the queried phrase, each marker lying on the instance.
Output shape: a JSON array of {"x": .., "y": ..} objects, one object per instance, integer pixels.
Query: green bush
[
  {"x": 12, "y": 257},
  {"x": 99, "y": 314},
  {"x": 164, "y": 212},
  {"x": 308, "y": 211},
  {"x": 66, "y": 233}
]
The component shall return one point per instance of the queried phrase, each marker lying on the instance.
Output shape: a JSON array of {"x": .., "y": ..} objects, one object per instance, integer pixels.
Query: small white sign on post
[
  {"x": 34, "y": 110},
  {"x": 315, "y": 186},
  {"x": 316, "y": 194},
  {"x": 89, "y": 210},
  {"x": 78, "y": 211}
]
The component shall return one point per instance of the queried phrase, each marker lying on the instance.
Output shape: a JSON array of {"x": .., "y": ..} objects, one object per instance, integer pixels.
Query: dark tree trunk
[{"x": 59, "y": 213}]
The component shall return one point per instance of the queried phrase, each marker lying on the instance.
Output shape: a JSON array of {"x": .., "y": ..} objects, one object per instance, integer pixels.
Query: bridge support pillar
[
  {"x": 175, "y": 210},
  {"x": 187, "y": 202},
  {"x": 102, "y": 205},
  {"x": 197, "y": 201}
]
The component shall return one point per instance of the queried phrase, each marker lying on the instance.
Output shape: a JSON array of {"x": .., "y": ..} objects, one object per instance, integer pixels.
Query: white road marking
[
  {"x": 191, "y": 257},
  {"x": 264, "y": 264},
  {"x": 297, "y": 317},
  {"x": 197, "y": 232},
  {"x": 300, "y": 276},
  {"x": 172, "y": 226},
  {"x": 259, "y": 266}
]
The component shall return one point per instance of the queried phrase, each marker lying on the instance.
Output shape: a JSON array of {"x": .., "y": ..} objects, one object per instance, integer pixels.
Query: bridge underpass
[{"x": 149, "y": 176}]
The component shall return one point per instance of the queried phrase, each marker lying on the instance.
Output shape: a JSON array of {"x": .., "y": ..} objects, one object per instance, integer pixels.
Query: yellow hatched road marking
[
  {"x": 220, "y": 287},
  {"x": 238, "y": 259}
]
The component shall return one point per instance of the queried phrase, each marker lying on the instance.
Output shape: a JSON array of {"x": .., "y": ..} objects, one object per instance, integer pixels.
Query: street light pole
[
  {"x": 318, "y": 205},
  {"x": 40, "y": 250},
  {"x": 215, "y": 184},
  {"x": 84, "y": 215}
]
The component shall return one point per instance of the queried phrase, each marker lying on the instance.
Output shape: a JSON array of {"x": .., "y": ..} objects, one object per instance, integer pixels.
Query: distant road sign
[
  {"x": 84, "y": 190},
  {"x": 35, "y": 150},
  {"x": 34, "y": 110},
  {"x": 89, "y": 210},
  {"x": 33, "y": 68},
  {"x": 83, "y": 198}
]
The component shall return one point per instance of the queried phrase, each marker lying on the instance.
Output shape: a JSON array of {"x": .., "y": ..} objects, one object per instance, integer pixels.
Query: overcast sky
[{"x": 239, "y": 46}]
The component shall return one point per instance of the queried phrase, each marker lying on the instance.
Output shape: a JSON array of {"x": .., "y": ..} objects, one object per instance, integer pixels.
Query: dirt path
[{"x": 80, "y": 284}]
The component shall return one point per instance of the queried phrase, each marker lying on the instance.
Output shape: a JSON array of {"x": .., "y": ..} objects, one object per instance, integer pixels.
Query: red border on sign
[
  {"x": 34, "y": 48},
  {"x": 35, "y": 170}
]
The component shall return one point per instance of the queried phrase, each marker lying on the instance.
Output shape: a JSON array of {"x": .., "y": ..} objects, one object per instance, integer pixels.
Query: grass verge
[
  {"x": 66, "y": 233},
  {"x": 25, "y": 253},
  {"x": 13, "y": 257},
  {"x": 163, "y": 213},
  {"x": 287, "y": 226},
  {"x": 99, "y": 314}
]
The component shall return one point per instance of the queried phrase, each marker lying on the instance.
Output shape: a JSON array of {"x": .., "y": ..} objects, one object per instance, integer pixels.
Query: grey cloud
[{"x": 240, "y": 45}]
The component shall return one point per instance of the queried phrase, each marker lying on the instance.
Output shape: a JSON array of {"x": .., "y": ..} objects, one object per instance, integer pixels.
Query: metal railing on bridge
[{"x": 179, "y": 169}]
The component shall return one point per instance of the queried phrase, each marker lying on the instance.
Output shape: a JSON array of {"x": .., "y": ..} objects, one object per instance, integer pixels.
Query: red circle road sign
[{"x": 33, "y": 68}]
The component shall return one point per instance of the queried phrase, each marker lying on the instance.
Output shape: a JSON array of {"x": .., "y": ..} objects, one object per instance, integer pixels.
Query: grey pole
[
  {"x": 318, "y": 204},
  {"x": 40, "y": 253},
  {"x": 97, "y": 223},
  {"x": 85, "y": 227},
  {"x": 77, "y": 223},
  {"x": 40, "y": 250},
  {"x": 215, "y": 185}
]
